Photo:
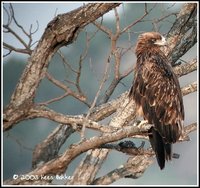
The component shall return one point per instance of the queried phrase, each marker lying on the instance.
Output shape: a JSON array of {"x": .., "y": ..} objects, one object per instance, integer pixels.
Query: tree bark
[{"x": 62, "y": 30}]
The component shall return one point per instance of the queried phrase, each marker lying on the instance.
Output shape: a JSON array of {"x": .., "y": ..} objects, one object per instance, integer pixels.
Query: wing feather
[{"x": 157, "y": 91}]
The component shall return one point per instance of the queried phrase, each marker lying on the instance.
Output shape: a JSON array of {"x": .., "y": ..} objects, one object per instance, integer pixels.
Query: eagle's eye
[{"x": 153, "y": 40}]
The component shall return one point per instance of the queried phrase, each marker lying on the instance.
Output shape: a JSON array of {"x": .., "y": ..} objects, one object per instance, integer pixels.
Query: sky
[{"x": 30, "y": 13}]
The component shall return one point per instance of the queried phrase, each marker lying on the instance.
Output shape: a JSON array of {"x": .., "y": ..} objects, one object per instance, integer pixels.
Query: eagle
[{"x": 157, "y": 95}]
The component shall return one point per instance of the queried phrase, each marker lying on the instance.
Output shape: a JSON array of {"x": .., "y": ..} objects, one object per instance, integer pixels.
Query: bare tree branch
[
  {"x": 61, "y": 31},
  {"x": 54, "y": 99},
  {"x": 76, "y": 95},
  {"x": 7, "y": 29},
  {"x": 97, "y": 94},
  {"x": 60, "y": 164},
  {"x": 16, "y": 35},
  {"x": 12, "y": 48},
  {"x": 189, "y": 88},
  {"x": 138, "y": 20},
  {"x": 49, "y": 148},
  {"x": 186, "y": 68},
  {"x": 133, "y": 168},
  {"x": 186, "y": 19},
  {"x": 103, "y": 28}
]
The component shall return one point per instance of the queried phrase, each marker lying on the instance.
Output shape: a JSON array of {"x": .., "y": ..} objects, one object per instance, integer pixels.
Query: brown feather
[{"x": 157, "y": 93}]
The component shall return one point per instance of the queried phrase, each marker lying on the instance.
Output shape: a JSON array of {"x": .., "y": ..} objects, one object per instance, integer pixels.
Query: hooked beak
[{"x": 161, "y": 42}]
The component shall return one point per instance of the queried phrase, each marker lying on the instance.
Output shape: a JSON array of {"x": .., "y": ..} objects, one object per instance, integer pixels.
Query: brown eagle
[{"x": 157, "y": 94}]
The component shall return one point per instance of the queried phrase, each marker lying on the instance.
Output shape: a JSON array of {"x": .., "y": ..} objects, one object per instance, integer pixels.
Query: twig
[
  {"x": 65, "y": 88},
  {"x": 12, "y": 48},
  {"x": 138, "y": 20},
  {"x": 82, "y": 57},
  {"x": 103, "y": 28},
  {"x": 8, "y": 29},
  {"x": 97, "y": 94},
  {"x": 117, "y": 21},
  {"x": 65, "y": 62},
  {"x": 54, "y": 99},
  {"x": 16, "y": 36}
]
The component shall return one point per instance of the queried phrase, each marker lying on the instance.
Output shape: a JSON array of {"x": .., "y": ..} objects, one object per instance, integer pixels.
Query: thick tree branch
[
  {"x": 190, "y": 88},
  {"x": 61, "y": 31},
  {"x": 49, "y": 148},
  {"x": 133, "y": 168},
  {"x": 186, "y": 19},
  {"x": 97, "y": 114},
  {"x": 60, "y": 164},
  {"x": 186, "y": 68},
  {"x": 129, "y": 148},
  {"x": 75, "y": 121},
  {"x": 125, "y": 113},
  {"x": 84, "y": 176}
]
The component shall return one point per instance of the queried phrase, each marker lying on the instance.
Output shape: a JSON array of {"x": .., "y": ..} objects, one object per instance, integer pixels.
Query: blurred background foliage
[{"x": 19, "y": 142}]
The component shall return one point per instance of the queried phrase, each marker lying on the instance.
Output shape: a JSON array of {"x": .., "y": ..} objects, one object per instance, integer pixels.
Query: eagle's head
[
  {"x": 149, "y": 40},
  {"x": 152, "y": 38}
]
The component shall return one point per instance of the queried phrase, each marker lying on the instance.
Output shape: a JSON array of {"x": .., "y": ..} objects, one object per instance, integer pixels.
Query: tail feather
[
  {"x": 168, "y": 151},
  {"x": 163, "y": 151}
]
